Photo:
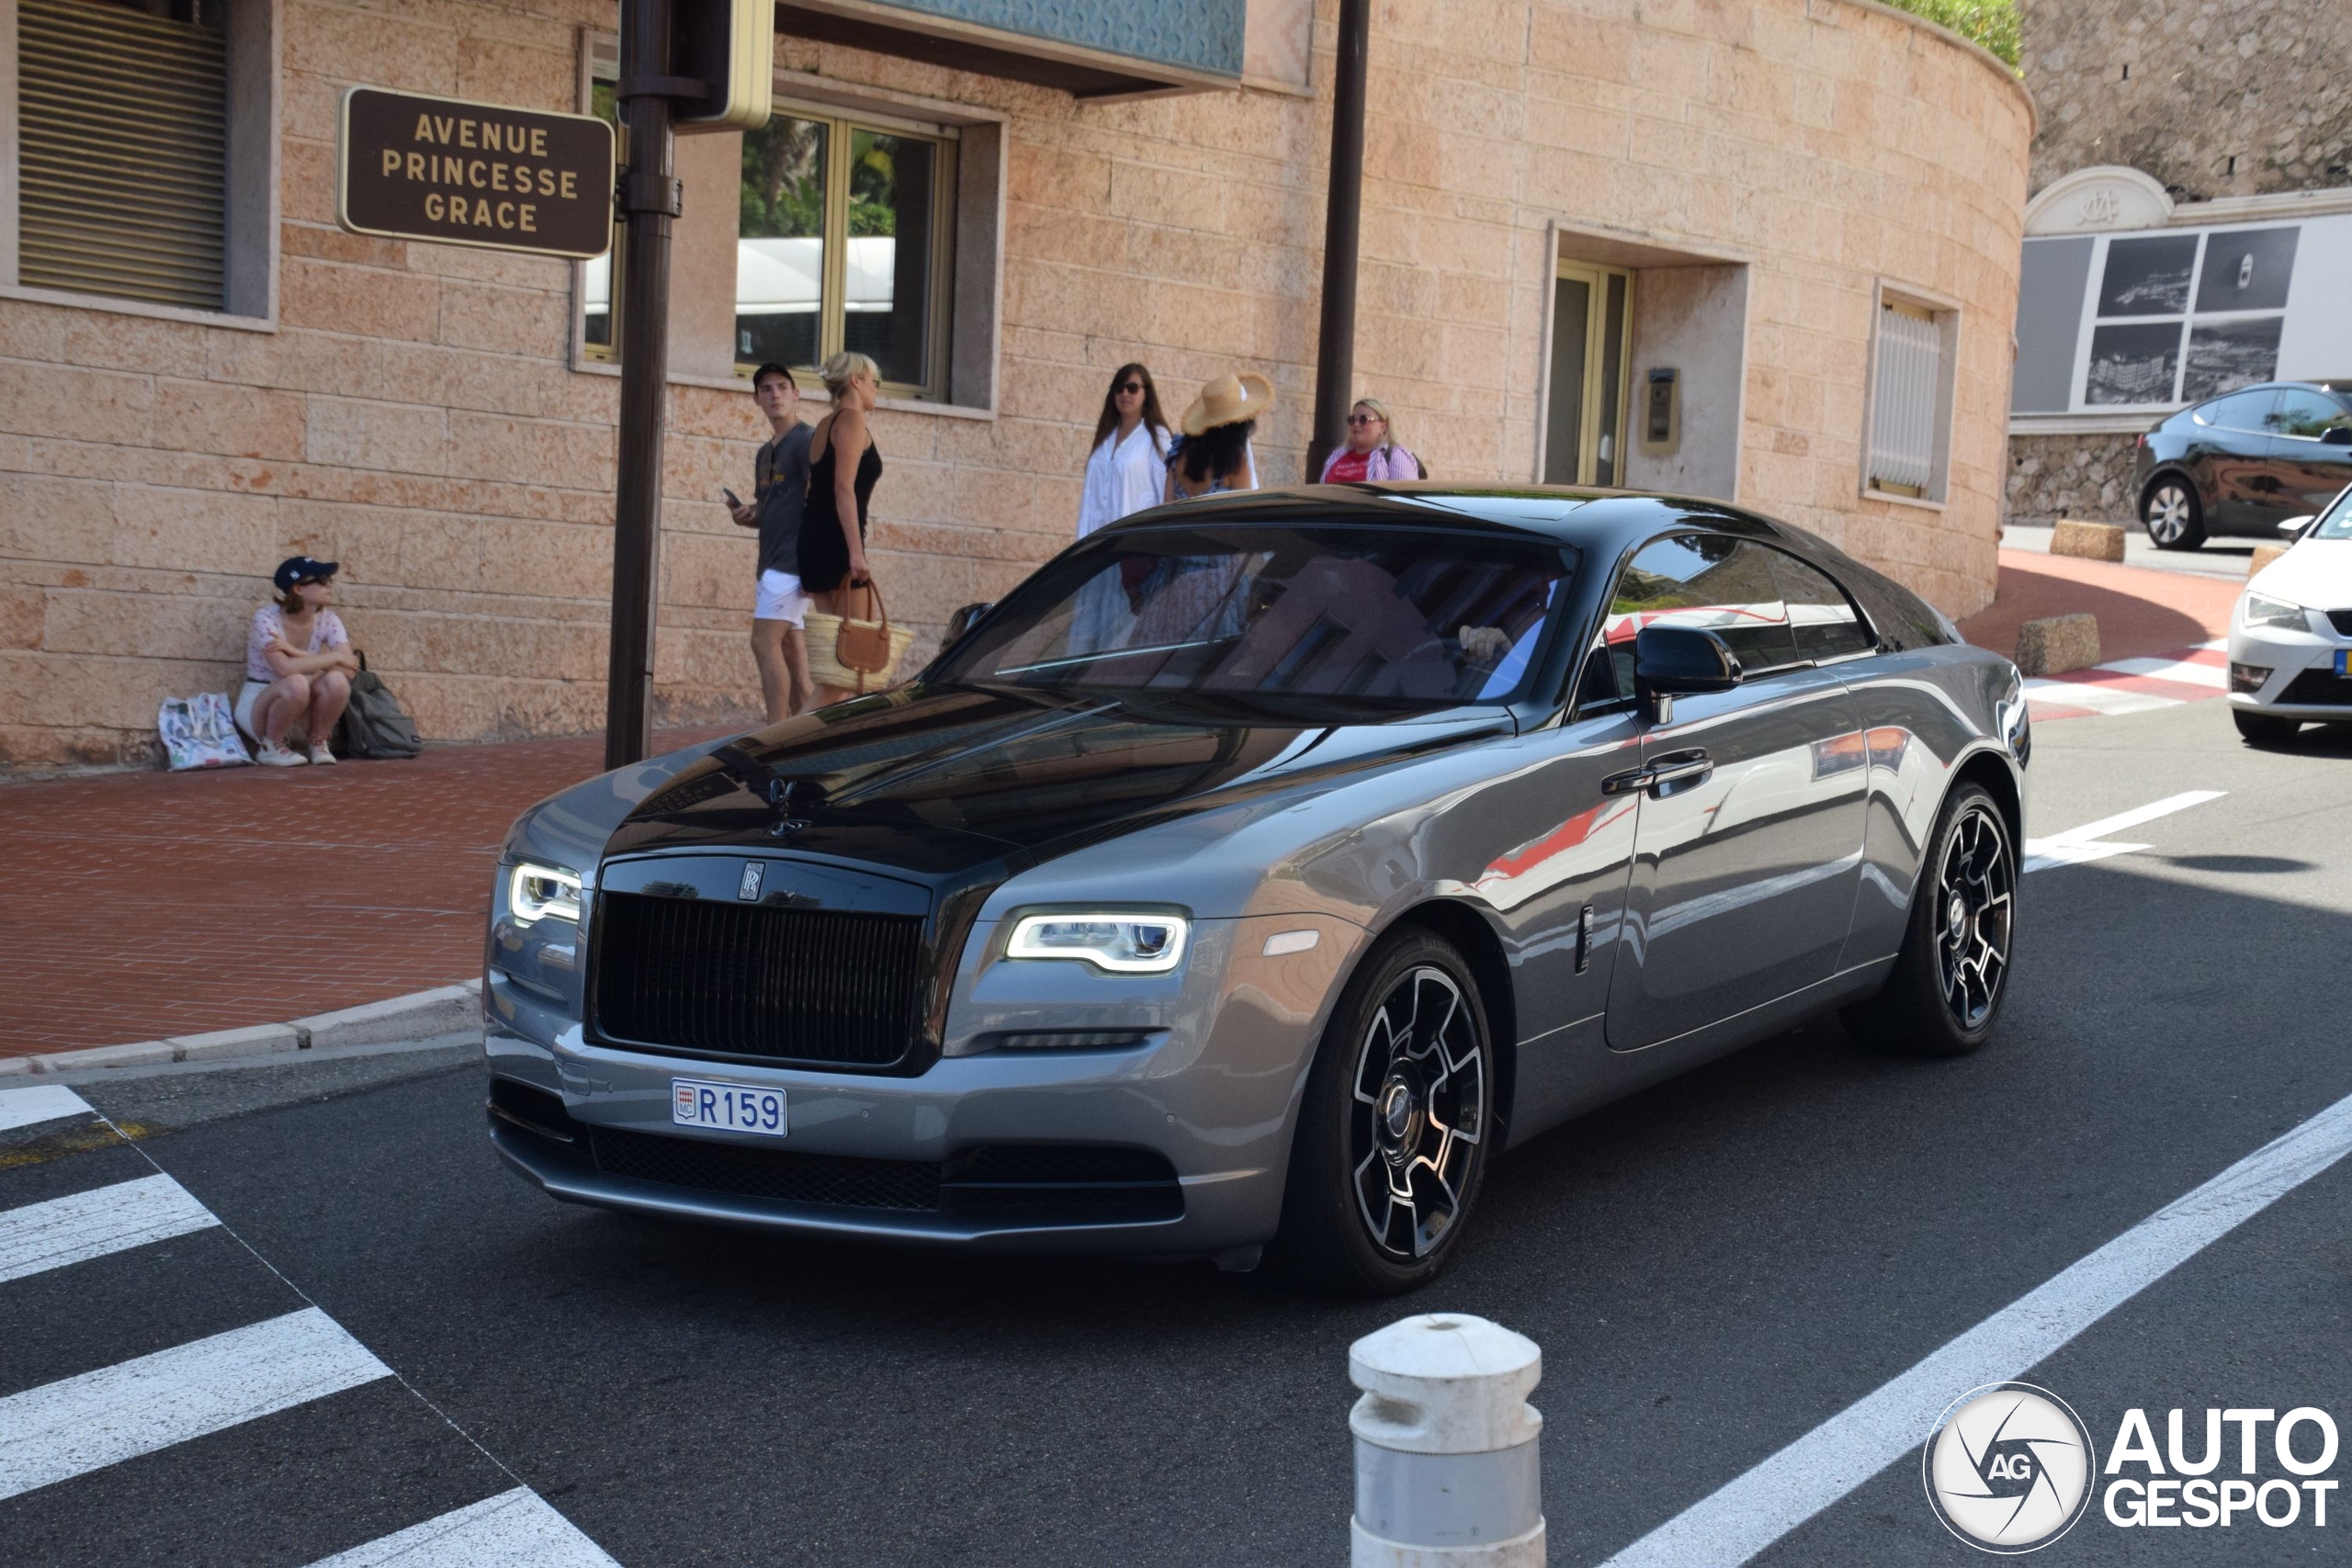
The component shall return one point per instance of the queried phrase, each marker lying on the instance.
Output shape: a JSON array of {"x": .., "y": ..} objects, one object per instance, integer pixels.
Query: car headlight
[
  {"x": 537, "y": 892},
  {"x": 1122, "y": 943},
  {"x": 2261, "y": 610}
]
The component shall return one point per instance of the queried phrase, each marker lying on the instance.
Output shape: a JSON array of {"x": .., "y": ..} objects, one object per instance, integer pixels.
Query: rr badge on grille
[{"x": 747, "y": 890}]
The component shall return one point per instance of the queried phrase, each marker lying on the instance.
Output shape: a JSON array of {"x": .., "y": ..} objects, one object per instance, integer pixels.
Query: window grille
[
  {"x": 123, "y": 152},
  {"x": 1908, "y": 383}
]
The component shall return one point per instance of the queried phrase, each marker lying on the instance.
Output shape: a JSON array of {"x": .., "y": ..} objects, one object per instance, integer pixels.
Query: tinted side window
[
  {"x": 2240, "y": 411},
  {"x": 1725, "y": 586},
  {"x": 2308, "y": 413},
  {"x": 1823, "y": 617}
]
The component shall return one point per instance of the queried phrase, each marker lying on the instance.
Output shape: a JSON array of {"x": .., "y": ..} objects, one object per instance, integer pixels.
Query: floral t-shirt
[{"x": 269, "y": 625}]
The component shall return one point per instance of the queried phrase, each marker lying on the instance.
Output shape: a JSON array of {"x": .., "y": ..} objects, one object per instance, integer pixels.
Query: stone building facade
[
  {"x": 1768, "y": 178},
  {"x": 2233, "y": 115}
]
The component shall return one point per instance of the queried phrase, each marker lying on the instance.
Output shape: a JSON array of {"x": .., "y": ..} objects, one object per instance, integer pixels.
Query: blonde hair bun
[{"x": 837, "y": 371}]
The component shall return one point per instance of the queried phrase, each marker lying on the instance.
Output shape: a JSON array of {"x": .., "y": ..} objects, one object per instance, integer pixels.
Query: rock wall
[
  {"x": 2214, "y": 97},
  {"x": 2084, "y": 477}
]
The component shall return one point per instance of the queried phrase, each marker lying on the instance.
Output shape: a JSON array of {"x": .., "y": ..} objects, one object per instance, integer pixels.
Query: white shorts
[
  {"x": 781, "y": 598},
  {"x": 246, "y": 698}
]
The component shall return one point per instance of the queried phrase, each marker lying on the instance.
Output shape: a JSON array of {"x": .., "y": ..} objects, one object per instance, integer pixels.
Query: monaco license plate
[{"x": 730, "y": 1107}]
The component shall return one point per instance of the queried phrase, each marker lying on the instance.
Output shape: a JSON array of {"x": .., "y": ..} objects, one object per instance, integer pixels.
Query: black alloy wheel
[
  {"x": 2171, "y": 513},
  {"x": 1976, "y": 887},
  {"x": 1945, "y": 991},
  {"x": 1394, "y": 1126}
]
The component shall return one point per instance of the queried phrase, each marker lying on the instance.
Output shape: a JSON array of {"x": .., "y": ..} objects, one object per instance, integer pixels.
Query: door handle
[{"x": 1675, "y": 767}]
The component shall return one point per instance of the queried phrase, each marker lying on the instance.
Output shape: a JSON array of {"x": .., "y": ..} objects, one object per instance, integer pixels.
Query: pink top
[
  {"x": 269, "y": 625},
  {"x": 1386, "y": 461}
]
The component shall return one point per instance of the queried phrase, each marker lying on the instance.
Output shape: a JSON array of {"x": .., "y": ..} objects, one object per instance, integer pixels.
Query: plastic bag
[{"x": 200, "y": 732}]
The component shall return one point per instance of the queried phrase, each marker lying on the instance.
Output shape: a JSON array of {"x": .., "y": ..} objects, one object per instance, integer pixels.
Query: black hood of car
[{"x": 938, "y": 781}]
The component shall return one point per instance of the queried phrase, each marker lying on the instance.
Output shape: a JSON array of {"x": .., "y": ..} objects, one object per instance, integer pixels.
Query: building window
[
  {"x": 139, "y": 171},
  {"x": 842, "y": 242},
  {"x": 1911, "y": 369},
  {"x": 596, "y": 340}
]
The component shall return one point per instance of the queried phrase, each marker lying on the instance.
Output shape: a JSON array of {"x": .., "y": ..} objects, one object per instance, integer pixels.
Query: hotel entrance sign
[{"x": 412, "y": 167}]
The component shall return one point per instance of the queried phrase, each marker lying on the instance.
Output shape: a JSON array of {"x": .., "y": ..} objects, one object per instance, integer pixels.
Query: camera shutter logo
[{"x": 2009, "y": 1467}]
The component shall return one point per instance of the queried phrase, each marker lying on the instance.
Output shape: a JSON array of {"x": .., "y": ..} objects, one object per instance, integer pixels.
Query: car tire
[
  {"x": 2172, "y": 514},
  {"x": 1394, "y": 1127},
  {"x": 2264, "y": 730},
  {"x": 1944, "y": 994}
]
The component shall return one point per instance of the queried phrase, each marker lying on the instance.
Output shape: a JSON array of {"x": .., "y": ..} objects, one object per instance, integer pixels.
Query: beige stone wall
[
  {"x": 416, "y": 415},
  {"x": 2214, "y": 97}
]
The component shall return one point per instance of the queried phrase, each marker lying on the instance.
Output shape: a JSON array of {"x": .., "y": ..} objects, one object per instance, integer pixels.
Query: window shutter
[
  {"x": 123, "y": 137},
  {"x": 1902, "y": 407}
]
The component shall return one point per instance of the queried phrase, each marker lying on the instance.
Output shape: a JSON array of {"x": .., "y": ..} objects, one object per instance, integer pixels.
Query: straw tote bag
[{"x": 846, "y": 651}]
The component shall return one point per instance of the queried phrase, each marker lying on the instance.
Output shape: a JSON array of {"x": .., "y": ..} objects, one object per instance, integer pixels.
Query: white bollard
[{"x": 1446, "y": 1469}]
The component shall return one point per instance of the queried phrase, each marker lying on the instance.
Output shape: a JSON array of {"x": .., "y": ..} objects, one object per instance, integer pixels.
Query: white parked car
[{"x": 2291, "y": 635}]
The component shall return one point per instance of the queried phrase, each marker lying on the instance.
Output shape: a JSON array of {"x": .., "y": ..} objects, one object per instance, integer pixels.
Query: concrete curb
[{"x": 446, "y": 1009}]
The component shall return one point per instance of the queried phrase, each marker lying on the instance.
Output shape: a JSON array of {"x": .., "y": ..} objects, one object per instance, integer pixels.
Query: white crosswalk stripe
[
  {"x": 152, "y": 1403},
  {"x": 513, "y": 1529},
  {"x": 68, "y": 1428},
  {"x": 2189, "y": 673},
  {"x": 42, "y": 1102},
  {"x": 41, "y": 1236}
]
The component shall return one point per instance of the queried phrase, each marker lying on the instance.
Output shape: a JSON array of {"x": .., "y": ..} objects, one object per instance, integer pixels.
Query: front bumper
[
  {"x": 2302, "y": 682},
  {"x": 1205, "y": 1101}
]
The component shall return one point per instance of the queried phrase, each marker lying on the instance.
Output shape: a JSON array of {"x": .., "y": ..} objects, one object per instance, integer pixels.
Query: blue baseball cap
[{"x": 296, "y": 568}]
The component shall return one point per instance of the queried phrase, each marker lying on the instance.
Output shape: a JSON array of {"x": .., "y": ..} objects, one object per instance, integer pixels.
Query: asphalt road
[{"x": 1712, "y": 1269}]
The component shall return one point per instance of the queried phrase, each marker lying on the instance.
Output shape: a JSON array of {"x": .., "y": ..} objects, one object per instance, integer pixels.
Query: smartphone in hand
[{"x": 733, "y": 499}]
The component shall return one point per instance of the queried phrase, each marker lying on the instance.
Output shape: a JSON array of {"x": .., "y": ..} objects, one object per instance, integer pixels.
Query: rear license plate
[{"x": 730, "y": 1107}]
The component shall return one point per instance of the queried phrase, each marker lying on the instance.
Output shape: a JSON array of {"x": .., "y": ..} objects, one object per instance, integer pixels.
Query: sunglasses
[
  {"x": 1128, "y": 386},
  {"x": 1363, "y": 419}
]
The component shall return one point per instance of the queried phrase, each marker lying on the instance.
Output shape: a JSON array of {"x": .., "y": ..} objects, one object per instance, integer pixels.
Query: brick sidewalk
[
  {"x": 146, "y": 905},
  {"x": 2141, "y": 612}
]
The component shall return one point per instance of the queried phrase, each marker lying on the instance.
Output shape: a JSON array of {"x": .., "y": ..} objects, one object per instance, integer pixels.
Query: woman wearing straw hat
[
  {"x": 1214, "y": 452},
  {"x": 1373, "y": 452}
]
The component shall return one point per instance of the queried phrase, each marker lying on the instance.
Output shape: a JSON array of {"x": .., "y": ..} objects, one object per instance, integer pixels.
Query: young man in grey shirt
[{"x": 780, "y": 490}]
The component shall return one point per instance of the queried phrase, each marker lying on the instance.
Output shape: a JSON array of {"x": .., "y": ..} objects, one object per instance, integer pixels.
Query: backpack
[
  {"x": 199, "y": 732},
  {"x": 375, "y": 727}
]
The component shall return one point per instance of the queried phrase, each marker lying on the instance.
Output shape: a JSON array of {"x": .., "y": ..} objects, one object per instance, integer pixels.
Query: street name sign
[{"x": 413, "y": 167}]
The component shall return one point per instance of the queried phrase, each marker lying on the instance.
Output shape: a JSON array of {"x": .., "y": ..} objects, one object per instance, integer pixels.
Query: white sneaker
[
  {"x": 271, "y": 754},
  {"x": 321, "y": 755}
]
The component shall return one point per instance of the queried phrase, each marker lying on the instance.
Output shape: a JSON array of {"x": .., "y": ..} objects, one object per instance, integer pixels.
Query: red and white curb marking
[{"x": 2131, "y": 685}]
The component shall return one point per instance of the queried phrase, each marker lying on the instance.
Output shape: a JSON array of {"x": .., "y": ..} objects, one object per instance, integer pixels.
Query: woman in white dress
[
  {"x": 1129, "y": 467},
  {"x": 1128, "y": 472}
]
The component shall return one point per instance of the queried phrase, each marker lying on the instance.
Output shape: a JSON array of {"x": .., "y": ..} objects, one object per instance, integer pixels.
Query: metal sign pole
[{"x": 648, "y": 201}]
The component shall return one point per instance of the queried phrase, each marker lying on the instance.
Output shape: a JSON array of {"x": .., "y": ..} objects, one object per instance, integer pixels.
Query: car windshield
[
  {"x": 2337, "y": 522},
  {"x": 1336, "y": 622}
]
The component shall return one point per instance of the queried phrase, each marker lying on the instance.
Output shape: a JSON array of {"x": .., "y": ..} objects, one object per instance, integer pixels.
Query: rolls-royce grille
[{"x": 758, "y": 980}]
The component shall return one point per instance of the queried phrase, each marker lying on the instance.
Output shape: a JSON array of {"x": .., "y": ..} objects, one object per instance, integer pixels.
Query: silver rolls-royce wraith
[{"x": 1254, "y": 873}]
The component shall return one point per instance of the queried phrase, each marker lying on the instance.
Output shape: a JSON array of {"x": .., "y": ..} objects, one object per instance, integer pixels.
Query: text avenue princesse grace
[{"x": 485, "y": 157}]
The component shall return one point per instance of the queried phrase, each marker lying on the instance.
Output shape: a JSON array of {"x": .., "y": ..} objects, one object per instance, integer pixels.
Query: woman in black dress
[{"x": 843, "y": 467}]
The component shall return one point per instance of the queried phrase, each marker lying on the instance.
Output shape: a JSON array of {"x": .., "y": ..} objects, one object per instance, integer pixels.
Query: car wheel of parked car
[
  {"x": 1946, "y": 988},
  {"x": 2261, "y": 729},
  {"x": 2171, "y": 515},
  {"x": 1394, "y": 1127}
]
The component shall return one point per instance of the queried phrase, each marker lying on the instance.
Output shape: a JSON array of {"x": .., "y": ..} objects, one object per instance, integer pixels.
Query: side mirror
[
  {"x": 1669, "y": 662},
  {"x": 2336, "y": 435},
  {"x": 962, "y": 621},
  {"x": 2295, "y": 527}
]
